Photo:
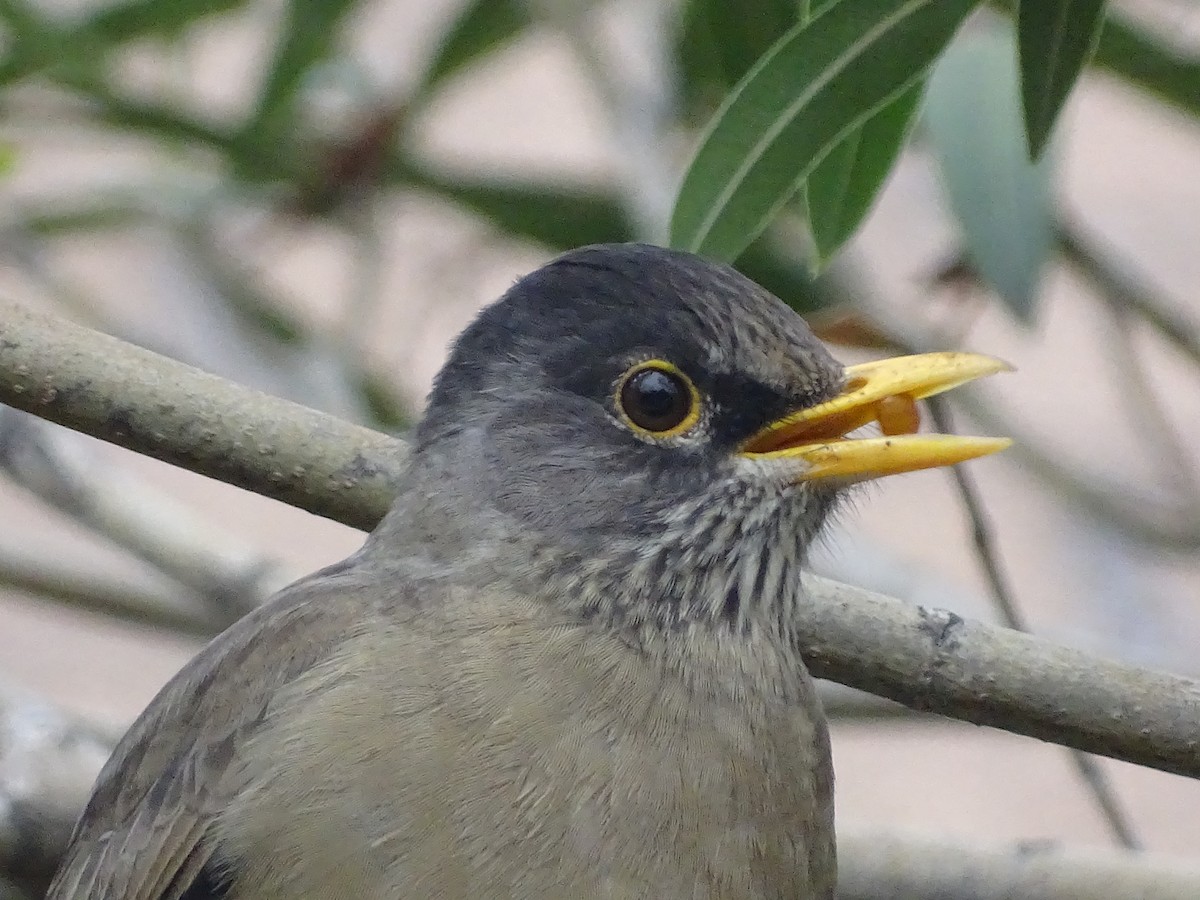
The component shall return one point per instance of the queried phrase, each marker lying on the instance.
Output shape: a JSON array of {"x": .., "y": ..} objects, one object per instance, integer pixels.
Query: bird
[{"x": 565, "y": 664}]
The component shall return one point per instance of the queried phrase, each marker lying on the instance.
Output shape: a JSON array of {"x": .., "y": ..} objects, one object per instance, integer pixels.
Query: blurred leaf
[
  {"x": 820, "y": 80},
  {"x": 18, "y": 14},
  {"x": 841, "y": 189},
  {"x": 257, "y": 312},
  {"x": 1055, "y": 39},
  {"x": 308, "y": 37},
  {"x": 558, "y": 217},
  {"x": 76, "y": 52},
  {"x": 719, "y": 41},
  {"x": 782, "y": 273},
  {"x": 252, "y": 303},
  {"x": 162, "y": 122},
  {"x": 387, "y": 410},
  {"x": 483, "y": 26},
  {"x": 1143, "y": 59},
  {"x": 9, "y": 154},
  {"x": 1000, "y": 198},
  {"x": 160, "y": 18},
  {"x": 35, "y": 44},
  {"x": 88, "y": 218}
]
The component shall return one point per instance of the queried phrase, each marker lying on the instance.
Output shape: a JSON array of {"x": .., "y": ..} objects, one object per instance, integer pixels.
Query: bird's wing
[{"x": 145, "y": 833}]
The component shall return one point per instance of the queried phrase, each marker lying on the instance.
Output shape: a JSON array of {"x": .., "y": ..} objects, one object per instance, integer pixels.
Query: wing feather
[{"x": 147, "y": 831}]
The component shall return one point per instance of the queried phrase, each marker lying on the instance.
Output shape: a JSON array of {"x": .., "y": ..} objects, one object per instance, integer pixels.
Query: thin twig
[
  {"x": 1143, "y": 403},
  {"x": 1002, "y": 593},
  {"x": 50, "y": 579},
  {"x": 981, "y": 532},
  {"x": 231, "y": 579},
  {"x": 1099, "y": 266},
  {"x": 1149, "y": 518}
]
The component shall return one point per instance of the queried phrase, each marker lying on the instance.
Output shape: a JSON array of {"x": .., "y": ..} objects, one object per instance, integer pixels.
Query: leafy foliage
[
  {"x": 824, "y": 77},
  {"x": 842, "y": 187},
  {"x": 1057, "y": 37},
  {"x": 813, "y": 100},
  {"x": 1001, "y": 199}
]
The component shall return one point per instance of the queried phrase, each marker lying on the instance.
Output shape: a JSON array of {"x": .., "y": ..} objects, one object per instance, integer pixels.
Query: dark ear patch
[{"x": 213, "y": 882}]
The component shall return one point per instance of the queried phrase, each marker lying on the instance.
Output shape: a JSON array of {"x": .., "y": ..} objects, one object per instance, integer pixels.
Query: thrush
[{"x": 566, "y": 664}]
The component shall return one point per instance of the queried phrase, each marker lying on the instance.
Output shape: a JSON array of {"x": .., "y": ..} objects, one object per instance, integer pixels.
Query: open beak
[{"x": 884, "y": 392}]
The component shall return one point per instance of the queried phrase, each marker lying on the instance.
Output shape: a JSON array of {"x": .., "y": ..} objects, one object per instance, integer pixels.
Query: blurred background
[{"x": 312, "y": 198}]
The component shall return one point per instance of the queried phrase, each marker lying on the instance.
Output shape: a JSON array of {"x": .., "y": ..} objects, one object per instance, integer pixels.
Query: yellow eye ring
[{"x": 656, "y": 399}]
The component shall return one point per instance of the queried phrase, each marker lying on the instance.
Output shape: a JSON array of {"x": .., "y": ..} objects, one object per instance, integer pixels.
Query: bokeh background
[{"x": 312, "y": 198}]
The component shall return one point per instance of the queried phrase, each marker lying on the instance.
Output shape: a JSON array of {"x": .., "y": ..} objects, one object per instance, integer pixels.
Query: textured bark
[
  {"x": 878, "y": 864},
  {"x": 143, "y": 401}
]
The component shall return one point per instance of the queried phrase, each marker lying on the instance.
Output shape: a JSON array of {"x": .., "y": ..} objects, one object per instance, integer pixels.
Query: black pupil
[{"x": 656, "y": 400}]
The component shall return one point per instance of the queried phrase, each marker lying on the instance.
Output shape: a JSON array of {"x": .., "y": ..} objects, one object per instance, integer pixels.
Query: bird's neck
[{"x": 731, "y": 571}]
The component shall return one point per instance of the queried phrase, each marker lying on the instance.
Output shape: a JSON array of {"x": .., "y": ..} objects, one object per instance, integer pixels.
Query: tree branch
[
  {"x": 145, "y": 402},
  {"x": 936, "y": 661},
  {"x": 874, "y": 864},
  {"x": 54, "y": 580},
  {"x": 1094, "y": 779},
  {"x": 927, "y": 659},
  {"x": 220, "y": 574}
]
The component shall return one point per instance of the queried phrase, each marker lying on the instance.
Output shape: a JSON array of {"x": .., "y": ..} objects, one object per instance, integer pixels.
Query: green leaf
[
  {"x": 1055, "y": 39},
  {"x": 809, "y": 9},
  {"x": 557, "y": 216},
  {"x": 307, "y": 38},
  {"x": 35, "y": 44},
  {"x": 157, "y": 121},
  {"x": 1131, "y": 52},
  {"x": 160, "y": 18},
  {"x": 483, "y": 26},
  {"x": 387, "y": 410},
  {"x": 9, "y": 154},
  {"x": 1001, "y": 200},
  {"x": 842, "y": 188},
  {"x": 820, "y": 80},
  {"x": 783, "y": 273},
  {"x": 720, "y": 41},
  {"x": 87, "y": 218}
]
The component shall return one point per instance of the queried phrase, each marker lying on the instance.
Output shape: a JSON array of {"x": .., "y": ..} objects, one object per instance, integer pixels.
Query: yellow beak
[{"x": 885, "y": 392}]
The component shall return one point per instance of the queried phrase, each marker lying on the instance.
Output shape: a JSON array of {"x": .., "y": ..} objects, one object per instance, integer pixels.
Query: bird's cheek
[{"x": 549, "y": 489}]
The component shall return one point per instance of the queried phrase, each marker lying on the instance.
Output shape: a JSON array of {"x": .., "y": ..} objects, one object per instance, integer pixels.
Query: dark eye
[{"x": 659, "y": 400}]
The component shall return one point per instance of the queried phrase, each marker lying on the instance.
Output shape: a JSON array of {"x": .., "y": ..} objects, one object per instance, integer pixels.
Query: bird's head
[{"x": 670, "y": 427}]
